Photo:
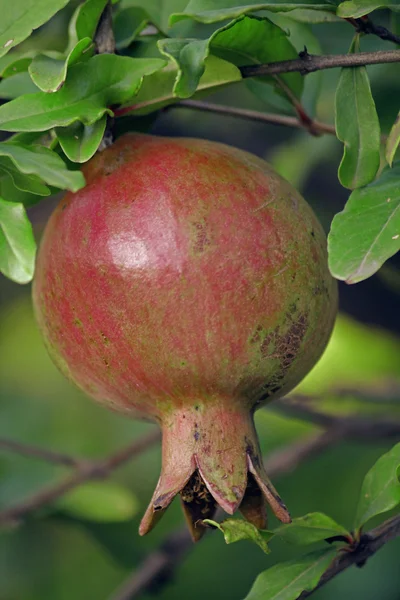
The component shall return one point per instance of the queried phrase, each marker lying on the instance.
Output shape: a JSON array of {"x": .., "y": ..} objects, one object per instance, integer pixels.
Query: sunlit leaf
[
  {"x": 311, "y": 528},
  {"x": 20, "y": 17},
  {"x": 287, "y": 580},
  {"x": 357, "y": 126},
  {"x": 235, "y": 530},
  {"x": 79, "y": 142},
  {"x": 92, "y": 87},
  {"x": 367, "y": 231},
  {"x": 49, "y": 73},
  {"x": 380, "y": 490},
  {"x": 247, "y": 40},
  {"x": 17, "y": 244}
]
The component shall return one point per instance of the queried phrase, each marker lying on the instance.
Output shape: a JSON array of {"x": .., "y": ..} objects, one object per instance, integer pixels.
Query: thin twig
[
  {"x": 369, "y": 544},
  {"x": 41, "y": 453},
  {"x": 308, "y": 63},
  {"x": 253, "y": 115},
  {"x": 86, "y": 471},
  {"x": 366, "y": 26}
]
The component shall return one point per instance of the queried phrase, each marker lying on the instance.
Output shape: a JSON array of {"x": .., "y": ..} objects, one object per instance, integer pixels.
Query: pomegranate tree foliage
[{"x": 60, "y": 100}]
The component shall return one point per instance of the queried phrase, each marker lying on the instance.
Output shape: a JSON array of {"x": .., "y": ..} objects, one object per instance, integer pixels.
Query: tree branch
[
  {"x": 366, "y": 26},
  {"x": 308, "y": 63},
  {"x": 369, "y": 544},
  {"x": 86, "y": 471},
  {"x": 41, "y": 453},
  {"x": 253, "y": 115}
]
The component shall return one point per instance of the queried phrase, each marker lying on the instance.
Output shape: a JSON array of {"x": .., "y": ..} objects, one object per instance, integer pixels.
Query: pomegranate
[{"x": 187, "y": 283}]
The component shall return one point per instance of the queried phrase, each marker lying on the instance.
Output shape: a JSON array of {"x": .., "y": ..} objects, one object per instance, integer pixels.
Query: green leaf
[
  {"x": 380, "y": 490},
  {"x": 79, "y": 142},
  {"x": 247, "y": 40},
  {"x": 235, "y": 530},
  {"x": 287, "y": 580},
  {"x": 157, "y": 90},
  {"x": 99, "y": 501},
  {"x": 357, "y": 126},
  {"x": 46, "y": 164},
  {"x": 211, "y": 11},
  {"x": 92, "y": 87},
  {"x": 49, "y": 73},
  {"x": 367, "y": 231},
  {"x": 9, "y": 190},
  {"x": 17, "y": 85},
  {"x": 311, "y": 528},
  {"x": 359, "y": 8},
  {"x": 23, "y": 182},
  {"x": 87, "y": 18},
  {"x": 157, "y": 10},
  {"x": 128, "y": 24},
  {"x": 17, "y": 244},
  {"x": 20, "y": 17},
  {"x": 393, "y": 141},
  {"x": 11, "y": 65}
]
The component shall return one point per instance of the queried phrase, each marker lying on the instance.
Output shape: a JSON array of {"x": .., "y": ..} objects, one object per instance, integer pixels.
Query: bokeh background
[{"x": 69, "y": 553}]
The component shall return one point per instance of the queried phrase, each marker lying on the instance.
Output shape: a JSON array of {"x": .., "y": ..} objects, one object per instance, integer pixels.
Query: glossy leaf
[
  {"x": 79, "y": 142},
  {"x": 128, "y": 24},
  {"x": 247, "y": 40},
  {"x": 311, "y": 528},
  {"x": 17, "y": 244},
  {"x": 357, "y": 126},
  {"x": 380, "y": 490},
  {"x": 235, "y": 530},
  {"x": 20, "y": 17},
  {"x": 46, "y": 164},
  {"x": 49, "y": 73},
  {"x": 157, "y": 90},
  {"x": 92, "y": 87},
  {"x": 11, "y": 64},
  {"x": 287, "y": 580},
  {"x": 359, "y": 8},
  {"x": 23, "y": 182},
  {"x": 367, "y": 231},
  {"x": 87, "y": 18},
  {"x": 393, "y": 141},
  {"x": 100, "y": 501},
  {"x": 211, "y": 11}
]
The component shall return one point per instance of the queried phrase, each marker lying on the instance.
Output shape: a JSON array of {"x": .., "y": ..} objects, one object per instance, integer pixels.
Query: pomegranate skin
[{"x": 187, "y": 283}]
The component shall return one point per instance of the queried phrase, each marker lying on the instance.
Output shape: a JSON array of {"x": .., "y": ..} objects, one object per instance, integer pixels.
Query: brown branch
[
  {"x": 86, "y": 471},
  {"x": 366, "y": 26},
  {"x": 253, "y": 115},
  {"x": 104, "y": 36},
  {"x": 308, "y": 63},
  {"x": 41, "y": 453},
  {"x": 369, "y": 544}
]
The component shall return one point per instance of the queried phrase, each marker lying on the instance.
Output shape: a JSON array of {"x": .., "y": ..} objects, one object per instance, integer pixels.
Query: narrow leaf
[
  {"x": 380, "y": 490},
  {"x": 357, "y": 126},
  {"x": 311, "y": 528},
  {"x": 99, "y": 501},
  {"x": 92, "y": 87},
  {"x": 246, "y": 40},
  {"x": 367, "y": 232},
  {"x": 49, "y": 73},
  {"x": 9, "y": 190},
  {"x": 211, "y": 11},
  {"x": 17, "y": 244},
  {"x": 87, "y": 18},
  {"x": 393, "y": 141},
  {"x": 286, "y": 581},
  {"x": 43, "y": 162},
  {"x": 20, "y": 17},
  {"x": 359, "y": 8},
  {"x": 79, "y": 142},
  {"x": 235, "y": 530}
]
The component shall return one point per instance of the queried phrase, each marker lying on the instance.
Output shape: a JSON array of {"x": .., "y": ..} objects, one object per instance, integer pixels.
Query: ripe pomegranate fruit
[{"x": 187, "y": 283}]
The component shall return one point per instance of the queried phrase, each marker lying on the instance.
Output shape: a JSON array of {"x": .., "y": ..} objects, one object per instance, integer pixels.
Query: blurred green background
[{"x": 79, "y": 551}]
